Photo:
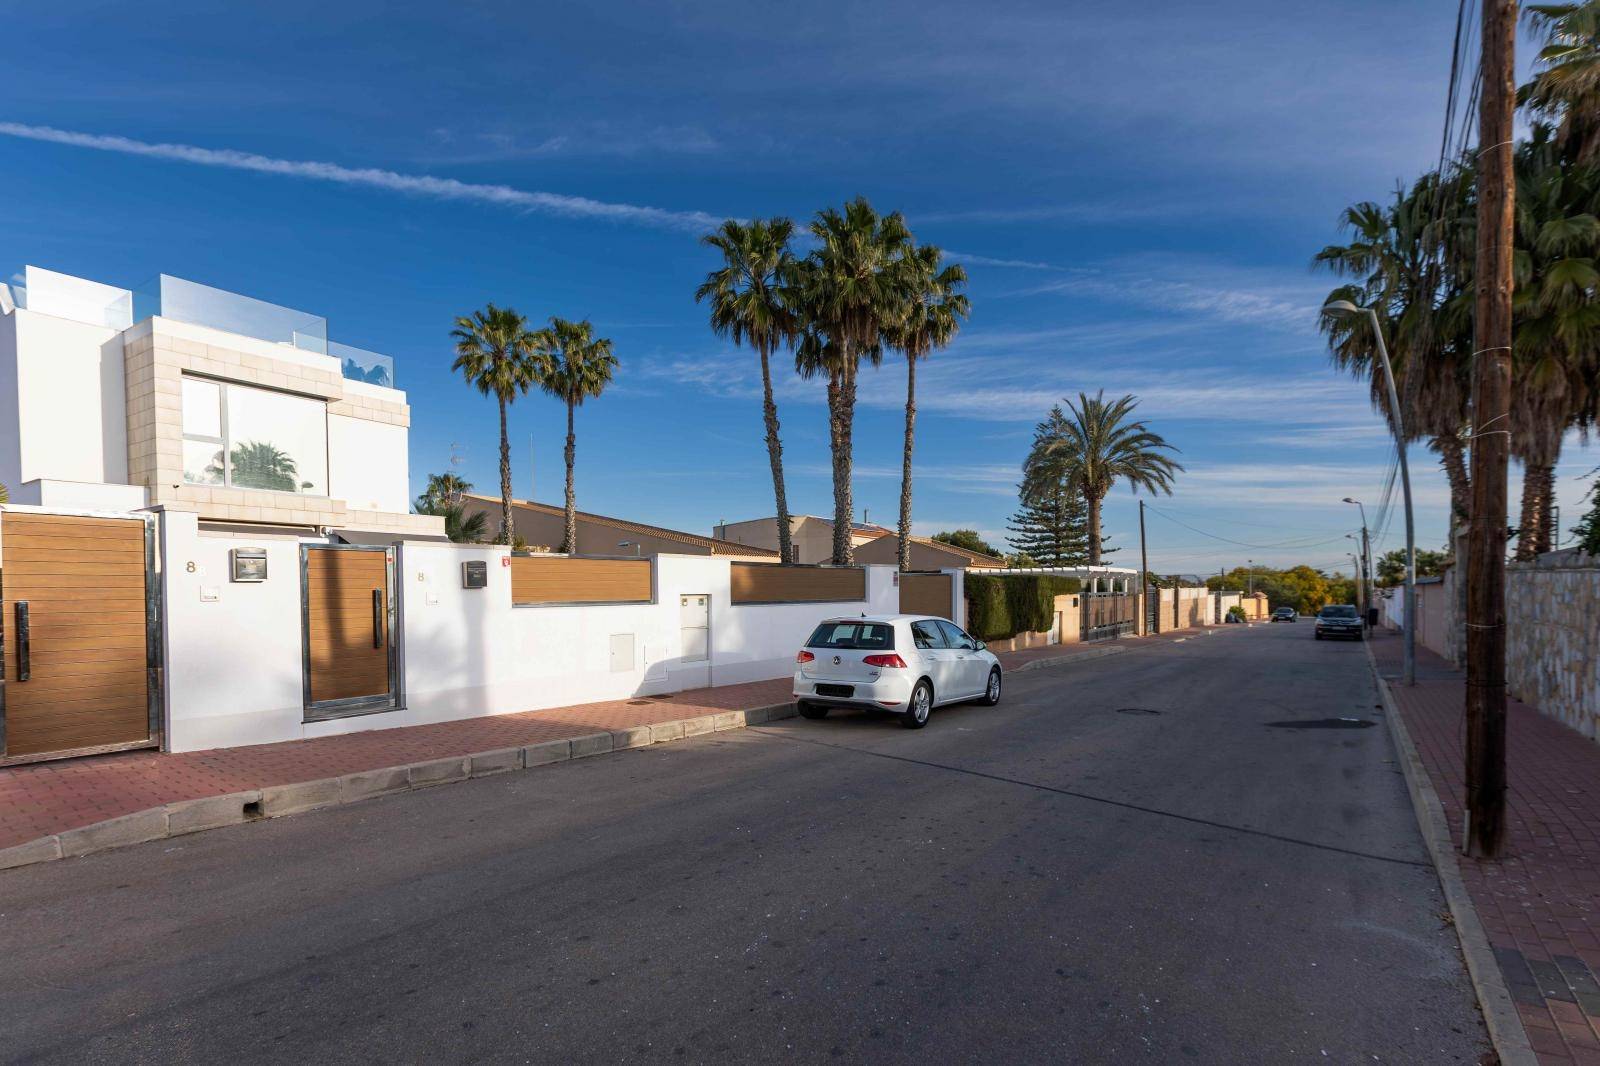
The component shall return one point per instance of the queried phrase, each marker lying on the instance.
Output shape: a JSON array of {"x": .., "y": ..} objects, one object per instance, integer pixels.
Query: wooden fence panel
[
  {"x": 774, "y": 583},
  {"x": 558, "y": 579},
  {"x": 928, "y": 594}
]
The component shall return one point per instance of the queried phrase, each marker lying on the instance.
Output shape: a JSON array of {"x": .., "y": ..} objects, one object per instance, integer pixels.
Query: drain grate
[
  {"x": 638, "y": 703},
  {"x": 1136, "y": 710},
  {"x": 1324, "y": 723}
]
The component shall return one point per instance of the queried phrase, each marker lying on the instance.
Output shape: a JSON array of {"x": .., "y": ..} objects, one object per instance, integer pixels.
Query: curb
[
  {"x": 277, "y": 801},
  {"x": 1500, "y": 1014},
  {"x": 1067, "y": 660}
]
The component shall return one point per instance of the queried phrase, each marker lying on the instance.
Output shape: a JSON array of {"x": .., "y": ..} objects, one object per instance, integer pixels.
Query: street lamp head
[
  {"x": 1348, "y": 499},
  {"x": 1339, "y": 307}
]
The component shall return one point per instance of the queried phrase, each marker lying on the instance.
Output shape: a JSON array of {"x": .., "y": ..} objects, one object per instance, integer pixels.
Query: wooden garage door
[
  {"x": 77, "y": 657},
  {"x": 349, "y": 654},
  {"x": 926, "y": 594}
]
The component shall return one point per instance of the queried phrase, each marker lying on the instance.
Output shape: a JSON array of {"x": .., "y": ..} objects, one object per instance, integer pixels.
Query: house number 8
[{"x": 191, "y": 567}]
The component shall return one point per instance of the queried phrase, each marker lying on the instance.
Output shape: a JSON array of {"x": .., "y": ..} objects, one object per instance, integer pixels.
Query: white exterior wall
[
  {"x": 234, "y": 660},
  {"x": 69, "y": 400},
  {"x": 368, "y": 466},
  {"x": 10, "y": 428},
  {"x": 233, "y": 665}
]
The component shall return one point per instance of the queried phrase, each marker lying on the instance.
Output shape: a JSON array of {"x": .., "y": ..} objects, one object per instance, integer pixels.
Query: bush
[
  {"x": 999, "y": 607},
  {"x": 1237, "y": 613}
]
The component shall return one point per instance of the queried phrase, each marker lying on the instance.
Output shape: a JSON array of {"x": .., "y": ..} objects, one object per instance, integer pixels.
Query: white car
[{"x": 904, "y": 663}]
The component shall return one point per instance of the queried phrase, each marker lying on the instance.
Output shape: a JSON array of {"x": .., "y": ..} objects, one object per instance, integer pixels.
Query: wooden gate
[
  {"x": 80, "y": 628},
  {"x": 928, "y": 594},
  {"x": 348, "y": 634}
]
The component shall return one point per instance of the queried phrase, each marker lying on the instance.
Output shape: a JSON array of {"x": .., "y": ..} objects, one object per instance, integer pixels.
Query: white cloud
[
  {"x": 370, "y": 177},
  {"x": 966, "y": 258},
  {"x": 1207, "y": 290}
]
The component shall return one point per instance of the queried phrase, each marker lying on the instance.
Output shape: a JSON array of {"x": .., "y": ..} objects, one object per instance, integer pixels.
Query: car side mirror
[{"x": 980, "y": 646}]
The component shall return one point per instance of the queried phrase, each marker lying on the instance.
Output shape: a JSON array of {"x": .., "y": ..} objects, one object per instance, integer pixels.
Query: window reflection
[{"x": 253, "y": 438}]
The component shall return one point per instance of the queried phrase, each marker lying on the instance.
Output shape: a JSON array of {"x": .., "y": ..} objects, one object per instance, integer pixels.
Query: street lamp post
[
  {"x": 1345, "y": 307},
  {"x": 1366, "y": 561}
]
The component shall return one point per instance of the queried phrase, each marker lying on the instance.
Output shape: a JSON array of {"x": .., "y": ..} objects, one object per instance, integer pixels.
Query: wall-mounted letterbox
[
  {"x": 475, "y": 575},
  {"x": 248, "y": 564}
]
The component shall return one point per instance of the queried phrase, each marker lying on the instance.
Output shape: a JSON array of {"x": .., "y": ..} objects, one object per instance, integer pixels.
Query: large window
[{"x": 250, "y": 438}]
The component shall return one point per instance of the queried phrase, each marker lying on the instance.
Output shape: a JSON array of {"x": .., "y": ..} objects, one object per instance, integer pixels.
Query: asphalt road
[{"x": 1065, "y": 877}]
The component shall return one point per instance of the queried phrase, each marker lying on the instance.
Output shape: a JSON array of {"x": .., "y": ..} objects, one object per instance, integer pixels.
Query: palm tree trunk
[
  {"x": 905, "y": 463},
  {"x": 1452, "y": 456},
  {"x": 1538, "y": 494},
  {"x": 769, "y": 411},
  {"x": 1092, "y": 503},
  {"x": 506, "y": 535},
  {"x": 569, "y": 543},
  {"x": 840, "y": 388},
  {"x": 840, "y": 455}
]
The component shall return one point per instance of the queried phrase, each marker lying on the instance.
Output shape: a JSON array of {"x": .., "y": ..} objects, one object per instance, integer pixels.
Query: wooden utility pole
[{"x": 1491, "y": 439}]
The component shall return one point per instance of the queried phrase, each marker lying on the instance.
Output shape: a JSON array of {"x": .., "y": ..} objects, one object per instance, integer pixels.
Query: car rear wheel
[
  {"x": 812, "y": 711},
  {"x": 991, "y": 695},
  {"x": 916, "y": 715}
]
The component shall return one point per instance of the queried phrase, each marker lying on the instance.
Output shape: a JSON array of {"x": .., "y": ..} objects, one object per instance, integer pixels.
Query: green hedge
[{"x": 1003, "y": 606}]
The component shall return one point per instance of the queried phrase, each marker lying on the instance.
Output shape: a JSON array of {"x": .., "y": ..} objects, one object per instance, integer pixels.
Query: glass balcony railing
[
  {"x": 202, "y": 305},
  {"x": 357, "y": 364}
]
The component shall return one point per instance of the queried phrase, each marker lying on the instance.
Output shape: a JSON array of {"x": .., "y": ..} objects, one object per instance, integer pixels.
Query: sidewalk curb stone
[
  {"x": 42, "y": 850},
  {"x": 211, "y": 812},
  {"x": 1500, "y": 1015},
  {"x": 499, "y": 761},
  {"x": 300, "y": 796},
  {"x": 135, "y": 828}
]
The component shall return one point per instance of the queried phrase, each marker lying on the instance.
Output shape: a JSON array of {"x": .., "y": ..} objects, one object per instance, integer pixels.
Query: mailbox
[
  {"x": 248, "y": 564},
  {"x": 475, "y": 575}
]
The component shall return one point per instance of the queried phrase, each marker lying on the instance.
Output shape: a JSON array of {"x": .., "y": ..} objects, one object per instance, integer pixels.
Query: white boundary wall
[{"x": 233, "y": 651}]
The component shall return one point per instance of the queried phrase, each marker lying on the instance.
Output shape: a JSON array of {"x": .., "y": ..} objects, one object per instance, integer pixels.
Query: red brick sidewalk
[
  {"x": 1540, "y": 902},
  {"x": 47, "y": 798}
]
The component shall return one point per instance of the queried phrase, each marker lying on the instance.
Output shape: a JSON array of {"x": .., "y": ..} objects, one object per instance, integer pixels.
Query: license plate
[{"x": 836, "y": 690}]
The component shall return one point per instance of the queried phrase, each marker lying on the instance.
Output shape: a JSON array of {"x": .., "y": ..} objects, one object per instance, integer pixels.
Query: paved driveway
[{"x": 1165, "y": 855}]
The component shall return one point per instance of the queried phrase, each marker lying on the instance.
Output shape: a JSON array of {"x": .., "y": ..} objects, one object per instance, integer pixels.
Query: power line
[{"x": 1298, "y": 543}]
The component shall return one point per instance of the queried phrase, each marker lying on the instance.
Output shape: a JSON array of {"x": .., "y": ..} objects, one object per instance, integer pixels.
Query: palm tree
[
  {"x": 749, "y": 304},
  {"x": 849, "y": 290},
  {"x": 494, "y": 351},
  {"x": 1566, "y": 88},
  {"x": 459, "y": 526},
  {"x": 1557, "y": 323},
  {"x": 445, "y": 489},
  {"x": 577, "y": 366},
  {"x": 931, "y": 318},
  {"x": 1404, "y": 262},
  {"x": 1096, "y": 446}
]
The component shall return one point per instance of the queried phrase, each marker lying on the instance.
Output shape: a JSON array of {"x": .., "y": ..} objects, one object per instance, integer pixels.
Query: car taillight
[
  {"x": 893, "y": 661},
  {"x": 804, "y": 657}
]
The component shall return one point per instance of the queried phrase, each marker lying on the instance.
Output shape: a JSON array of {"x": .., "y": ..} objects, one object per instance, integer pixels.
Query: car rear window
[
  {"x": 1339, "y": 612},
  {"x": 874, "y": 636}
]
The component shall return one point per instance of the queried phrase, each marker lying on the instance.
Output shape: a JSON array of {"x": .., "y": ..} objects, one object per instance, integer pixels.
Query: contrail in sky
[{"x": 372, "y": 177}]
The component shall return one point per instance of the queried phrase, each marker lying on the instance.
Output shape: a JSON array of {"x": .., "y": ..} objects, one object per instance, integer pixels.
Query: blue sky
[{"x": 1137, "y": 193}]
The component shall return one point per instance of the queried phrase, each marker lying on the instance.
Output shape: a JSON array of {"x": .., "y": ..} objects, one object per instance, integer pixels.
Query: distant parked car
[
  {"x": 1286, "y": 614},
  {"x": 1340, "y": 620},
  {"x": 904, "y": 664}
]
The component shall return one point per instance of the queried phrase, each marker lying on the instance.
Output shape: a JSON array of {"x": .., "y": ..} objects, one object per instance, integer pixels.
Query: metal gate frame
[
  {"x": 153, "y": 653},
  {"x": 1088, "y": 631},
  {"x": 350, "y": 707}
]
